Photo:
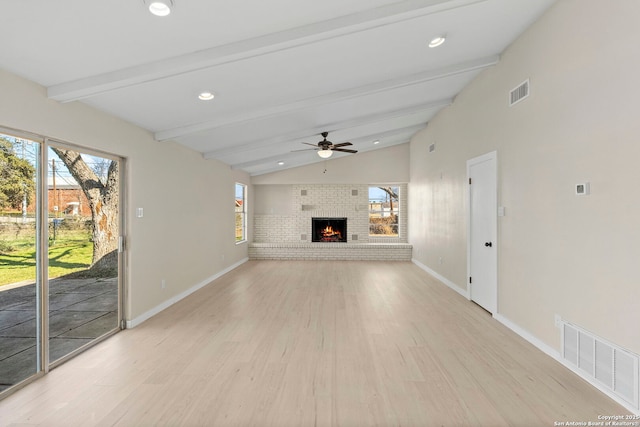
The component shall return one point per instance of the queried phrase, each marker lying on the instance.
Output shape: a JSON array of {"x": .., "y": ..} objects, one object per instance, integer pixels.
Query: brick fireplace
[{"x": 289, "y": 234}]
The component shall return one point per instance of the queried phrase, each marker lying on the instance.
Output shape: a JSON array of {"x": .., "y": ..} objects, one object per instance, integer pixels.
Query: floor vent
[
  {"x": 601, "y": 362},
  {"x": 519, "y": 93}
]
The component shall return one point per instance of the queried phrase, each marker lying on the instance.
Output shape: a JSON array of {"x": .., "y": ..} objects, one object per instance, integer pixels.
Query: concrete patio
[{"x": 80, "y": 310}]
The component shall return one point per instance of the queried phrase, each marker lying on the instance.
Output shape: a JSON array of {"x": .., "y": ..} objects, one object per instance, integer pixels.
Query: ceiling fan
[{"x": 326, "y": 148}]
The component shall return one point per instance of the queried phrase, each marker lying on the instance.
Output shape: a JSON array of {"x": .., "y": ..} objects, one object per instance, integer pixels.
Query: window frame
[
  {"x": 242, "y": 212},
  {"x": 396, "y": 211}
]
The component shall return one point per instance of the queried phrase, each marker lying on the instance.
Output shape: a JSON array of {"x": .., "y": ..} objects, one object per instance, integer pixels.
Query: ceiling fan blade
[
  {"x": 342, "y": 144},
  {"x": 345, "y": 150},
  {"x": 313, "y": 145},
  {"x": 304, "y": 149}
]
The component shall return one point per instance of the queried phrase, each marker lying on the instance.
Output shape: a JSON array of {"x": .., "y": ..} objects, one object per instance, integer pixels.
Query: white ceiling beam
[
  {"x": 391, "y": 137},
  {"x": 257, "y": 170},
  {"x": 331, "y": 127},
  {"x": 265, "y": 160},
  {"x": 260, "y": 168},
  {"x": 342, "y": 95},
  {"x": 244, "y": 49}
]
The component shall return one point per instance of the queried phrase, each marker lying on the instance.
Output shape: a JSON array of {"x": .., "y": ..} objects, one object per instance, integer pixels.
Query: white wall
[
  {"x": 558, "y": 253},
  {"x": 185, "y": 236}
]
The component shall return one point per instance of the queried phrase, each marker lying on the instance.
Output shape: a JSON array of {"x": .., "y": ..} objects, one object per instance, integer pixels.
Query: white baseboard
[
  {"x": 449, "y": 283},
  {"x": 555, "y": 354},
  {"x": 604, "y": 390},
  {"x": 526, "y": 335},
  {"x": 157, "y": 309},
  {"x": 546, "y": 349}
]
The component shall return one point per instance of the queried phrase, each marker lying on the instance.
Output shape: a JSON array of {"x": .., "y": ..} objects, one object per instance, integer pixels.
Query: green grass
[{"x": 69, "y": 253}]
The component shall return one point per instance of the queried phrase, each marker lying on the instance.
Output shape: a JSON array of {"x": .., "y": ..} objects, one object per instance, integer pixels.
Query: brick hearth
[{"x": 332, "y": 251}]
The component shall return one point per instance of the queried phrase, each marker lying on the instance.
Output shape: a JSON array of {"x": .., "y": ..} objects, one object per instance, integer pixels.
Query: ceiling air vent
[{"x": 519, "y": 93}]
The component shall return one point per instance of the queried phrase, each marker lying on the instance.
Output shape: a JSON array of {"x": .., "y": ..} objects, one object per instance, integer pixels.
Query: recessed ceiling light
[
  {"x": 159, "y": 7},
  {"x": 376, "y": 142},
  {"x": 280, "y": 163},
  {"x": 437, "y": 41},
  {"x": 206, "y": 96}
]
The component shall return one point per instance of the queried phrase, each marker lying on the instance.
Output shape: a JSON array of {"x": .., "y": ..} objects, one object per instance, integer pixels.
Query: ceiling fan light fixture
[
  {"x": 325, "y": 154},
  {"x": 437, "y": 41},
  {"x": 159, "y": 7}
]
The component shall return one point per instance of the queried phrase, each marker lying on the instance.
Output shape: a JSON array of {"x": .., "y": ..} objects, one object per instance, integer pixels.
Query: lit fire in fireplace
[
  {"x": 329, "y": 229},
  {"x": 329, "y": 233}
]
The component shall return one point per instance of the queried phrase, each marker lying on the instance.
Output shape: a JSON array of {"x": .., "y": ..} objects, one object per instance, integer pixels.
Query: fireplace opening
[{"x": 329, "y": 229}]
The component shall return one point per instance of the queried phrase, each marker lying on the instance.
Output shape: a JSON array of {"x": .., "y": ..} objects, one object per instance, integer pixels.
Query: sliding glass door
[
  {"x": 83, "y": 236},
  {"x": 20, "y": 290},
  {"x": 60, "y": 254}
]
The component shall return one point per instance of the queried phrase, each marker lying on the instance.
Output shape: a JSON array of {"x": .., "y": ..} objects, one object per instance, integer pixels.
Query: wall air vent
[
  {"x": 432, "y": 148},
  {"x": 519, "y": 93},
  {"x": 604, "y": 364}
]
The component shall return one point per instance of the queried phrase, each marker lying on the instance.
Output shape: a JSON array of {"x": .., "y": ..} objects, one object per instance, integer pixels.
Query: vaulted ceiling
[{"x": 282, "y": 71}]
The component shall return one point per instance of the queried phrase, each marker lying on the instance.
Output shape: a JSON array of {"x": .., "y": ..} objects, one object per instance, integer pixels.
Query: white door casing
[{"x": 482, "y": 258}]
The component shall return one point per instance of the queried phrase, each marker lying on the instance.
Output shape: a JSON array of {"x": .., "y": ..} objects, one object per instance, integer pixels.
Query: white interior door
[{"x": 482, "y": 243}]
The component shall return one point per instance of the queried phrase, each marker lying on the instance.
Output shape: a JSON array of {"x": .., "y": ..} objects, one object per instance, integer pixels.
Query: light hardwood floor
[{"x": 301, "y": 343}]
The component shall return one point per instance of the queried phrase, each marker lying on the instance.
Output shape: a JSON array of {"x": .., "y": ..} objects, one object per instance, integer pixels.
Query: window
[
  {"x": 241, "y": 212},
  {"x": 384, "y": 208}
]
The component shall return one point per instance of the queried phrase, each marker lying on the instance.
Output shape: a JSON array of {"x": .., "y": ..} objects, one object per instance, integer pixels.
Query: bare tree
[
  {"x": 392, "y": 196},
  {"x": 103, "y": 201},
  {"x": 101, "y": 167}
]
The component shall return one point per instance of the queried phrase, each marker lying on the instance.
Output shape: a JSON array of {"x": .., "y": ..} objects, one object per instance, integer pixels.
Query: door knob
[{"x": 488, "y": 244}]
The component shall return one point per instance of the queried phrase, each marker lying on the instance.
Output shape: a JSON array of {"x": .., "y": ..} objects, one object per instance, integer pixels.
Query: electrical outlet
[
  {"x": 163, "y": 284},
  {"x": 440, "y": 260}
]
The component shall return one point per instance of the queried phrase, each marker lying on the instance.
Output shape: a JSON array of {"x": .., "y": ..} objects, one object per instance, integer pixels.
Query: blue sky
[
  {"x": 29, "y": 151},
  {"x": 378, "y": 195}
]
